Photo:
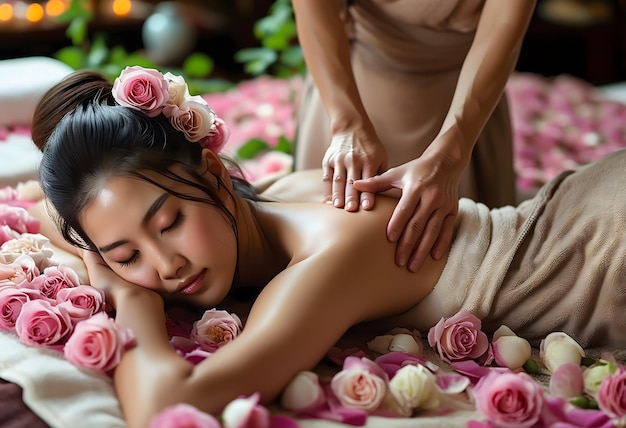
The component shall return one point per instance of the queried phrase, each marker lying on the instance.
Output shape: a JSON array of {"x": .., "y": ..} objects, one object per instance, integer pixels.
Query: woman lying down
[{"x": 159, "y": 218}]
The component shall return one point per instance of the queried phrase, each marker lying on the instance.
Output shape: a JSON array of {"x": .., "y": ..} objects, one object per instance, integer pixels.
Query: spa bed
[{"x": 559, "y": 123}]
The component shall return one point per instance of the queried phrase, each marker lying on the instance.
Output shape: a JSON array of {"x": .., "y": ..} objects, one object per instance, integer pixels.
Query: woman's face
[{"x": 183, "y": 250}]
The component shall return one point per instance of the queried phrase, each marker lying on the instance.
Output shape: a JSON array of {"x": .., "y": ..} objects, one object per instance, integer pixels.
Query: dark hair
[
  {"x": 97, "y": 140},
  {"x": 64, "y": 97}
]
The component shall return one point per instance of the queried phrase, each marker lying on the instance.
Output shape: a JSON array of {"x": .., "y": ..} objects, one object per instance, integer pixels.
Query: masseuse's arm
[
  {"x": 423, "y": 221},
  {"x": 355, "y": 151}
]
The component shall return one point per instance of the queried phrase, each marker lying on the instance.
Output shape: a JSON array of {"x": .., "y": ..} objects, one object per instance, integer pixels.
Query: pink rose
[
  {"x": 142, "y": 89},
  {"x": 18, "y": 219},
  {"x": 81, "y": 301},
  {"x": 218, "y": 136},
  {"x": 459, "y": 337},
  {"x": 193, "y": 117},
  {"x": 246, "y": 412},
  {"x": 98, "y": 343},
  {"x": 12, "y": 300},
  {"x": 215, "y": 329},
  {"x": 28, "y": 266},
  {"x": 361, "y": 384},
  {"x": 41, "y": 323},
  {"x": 509, "y": 399},
  {"x": 183, "y": 416},
  {"x": 612, "y": 395},
  {"x": 53, "y": 279}
]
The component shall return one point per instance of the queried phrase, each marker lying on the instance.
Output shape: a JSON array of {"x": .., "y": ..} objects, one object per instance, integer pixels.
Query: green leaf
[
  {"x": 77, "y": 30},
  {"x": 255, "y": 54},
  {"x": 252, "y": 148},
  {"x": 98, "y": 53},
  {"x": 292, "y": 57},
  {"x": 284, "y": 145},
  {"x": 198, "y": 65},
  {"x": 72, "y": 56},
  {"x": 207, "y": 86}
]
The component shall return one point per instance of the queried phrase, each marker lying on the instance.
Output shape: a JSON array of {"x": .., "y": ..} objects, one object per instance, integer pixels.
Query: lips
[{"x": 192, "y": 284}]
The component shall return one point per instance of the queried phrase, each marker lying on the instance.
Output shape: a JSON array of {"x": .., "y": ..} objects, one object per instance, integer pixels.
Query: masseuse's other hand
[
  {"x": 423, "y": 221},
  {"x": 351, "y": 157}
]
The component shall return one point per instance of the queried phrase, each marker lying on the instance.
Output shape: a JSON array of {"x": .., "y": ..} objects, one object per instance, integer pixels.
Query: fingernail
[
  {"x": 329, "y": 202},
  {"x": 350, "y": 205},
  {"x": 393, "y": 237},
  {"x": 402, "y": 261},
  {"x": 336, "y": 202},
  {"x": 365, "y": 203}
]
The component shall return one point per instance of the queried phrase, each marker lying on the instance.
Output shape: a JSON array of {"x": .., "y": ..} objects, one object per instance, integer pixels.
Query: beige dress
[
  {"x": 407, "y": 56},
  {"x": 556, "y": 262}
]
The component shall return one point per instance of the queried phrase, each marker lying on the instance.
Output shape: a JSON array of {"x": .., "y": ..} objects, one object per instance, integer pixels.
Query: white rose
[
  {"x": 303, "y": 392},
  {"x": 177, "y": 88},
  {"x": 558, "y": 348},
  {"x": 510, "y": 350},
  {"x": 414, "y": 387}
]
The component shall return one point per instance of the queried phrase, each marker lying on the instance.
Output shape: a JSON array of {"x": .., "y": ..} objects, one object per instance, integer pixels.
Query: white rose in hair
[
  {"x": 177, "y": 88},
  {"x": 193, "y": 117}
]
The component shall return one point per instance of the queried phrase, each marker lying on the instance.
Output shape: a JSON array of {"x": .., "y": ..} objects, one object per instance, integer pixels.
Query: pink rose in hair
[
  {"x": 218, "y": 136},
  {"x": 53, "y": 279},
  {"x": 361, "y": 384},
  {"x": 12, "y": 300},
  {"x": 612, "y": 395},
  {"x": 18, "y": 219},
  {"x": 40, "y": 323},
  {"x": 98, "y": 343},
  {"x": 141, "y": 88},
  {"x": 215, "y": 329},
  {"x": 509, "y": 399},
  {"x": 193, "y": 117},
  {"x": 183, "y": 415},
  {"x": 458, "y": 338},
  {"x": 81, "y": 302}
]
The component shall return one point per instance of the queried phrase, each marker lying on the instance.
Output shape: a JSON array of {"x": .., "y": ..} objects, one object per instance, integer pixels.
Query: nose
[{"x": 170, "y": 265}]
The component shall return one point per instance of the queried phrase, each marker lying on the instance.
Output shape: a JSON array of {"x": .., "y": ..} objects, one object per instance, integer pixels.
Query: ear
[{"x": 215, "y": 166}]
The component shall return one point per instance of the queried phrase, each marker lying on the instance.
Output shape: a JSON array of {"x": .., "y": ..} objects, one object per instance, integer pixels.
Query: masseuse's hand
[
  {"x": 350, "y": 157},
  {"x": 101, "y": 276},
  {"x": 423, "y": 221}
]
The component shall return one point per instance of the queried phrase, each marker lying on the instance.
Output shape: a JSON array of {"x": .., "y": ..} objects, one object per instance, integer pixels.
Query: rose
[
  {"x": 193, "y": 117},
  {"x": 33, "y": 245},
  {"x": 558, "y": 348},
  {"x": 612, "y": 395},
  {"x": 394, "y": 361},
  {"x": 414, "y": 387},
  {"x": 218, "y": 136},
  {"x": 81, "y": 301},
  {"x": 215, "y": 329},
  {"x": 41, "y": 323},
  {"x": 177, "y": 88},
  {"x": 53, "y": 279},
  {"x": 183, "y": 415},
  {"x": 28, "y": 266},
  {"x": 361, "y": 384},
  {"x": 567, "y": 381},
  {"x": 12, "y": 300},
  {"x": 509, "y": 399},
  {"x": 6, "y": 234},
  {"x": 18, "y": 219},
  {"x": 459, "y": 337},
  {"x": 11, "y": 275},
  {"x": 98, "y": 343},
  {"x": 143, "y": 89},
  {"x": 245, "y": 412},
  {"x": 303, "y": 392},
  {"x": 593, "y": 375},
  {"x": 398, "y": 340},
  {"x": 509, "y": 350}
]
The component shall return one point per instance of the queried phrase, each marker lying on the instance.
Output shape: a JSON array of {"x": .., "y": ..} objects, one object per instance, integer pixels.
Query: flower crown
[{"x": 154, "y": 93}]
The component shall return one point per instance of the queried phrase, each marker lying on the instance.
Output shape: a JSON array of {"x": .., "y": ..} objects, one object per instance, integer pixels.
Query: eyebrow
[{"x": 154, "y": 208}]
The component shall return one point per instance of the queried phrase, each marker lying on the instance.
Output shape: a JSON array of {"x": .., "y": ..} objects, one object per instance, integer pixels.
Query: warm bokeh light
[
  {"x": 55, "y": 7},
  {"x": 6, "y": 12},
  {"x": 122, "y": 7},
  {"x": 34, "y": 12}
]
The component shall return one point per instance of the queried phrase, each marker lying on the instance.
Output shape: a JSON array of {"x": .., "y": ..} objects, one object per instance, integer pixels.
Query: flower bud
[
  {"x": 303, "y": 392},
  {"x": 558, "y": 348}
]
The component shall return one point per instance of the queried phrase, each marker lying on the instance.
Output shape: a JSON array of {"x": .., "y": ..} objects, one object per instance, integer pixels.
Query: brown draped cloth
[{"x": 406, "y": 57}]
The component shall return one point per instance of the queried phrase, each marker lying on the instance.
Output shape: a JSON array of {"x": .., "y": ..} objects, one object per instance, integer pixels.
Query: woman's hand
[
  {"x": 351, "y": 157},
  {"x": 101, "y": 276},
  {"x": 423, "y": 221}
]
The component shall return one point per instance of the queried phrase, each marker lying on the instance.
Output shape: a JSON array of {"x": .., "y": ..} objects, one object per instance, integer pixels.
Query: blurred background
[{"x": 584, "y": 38}]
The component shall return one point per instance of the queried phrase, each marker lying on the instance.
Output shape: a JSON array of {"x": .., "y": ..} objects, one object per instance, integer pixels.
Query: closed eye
[
  {"x": 132, "y": 259},
  {"x": 175, "y": 223}
]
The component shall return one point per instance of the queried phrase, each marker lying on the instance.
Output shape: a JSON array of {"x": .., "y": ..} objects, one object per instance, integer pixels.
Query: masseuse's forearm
[
  {"x": 327, "y": 53},
  {"x": 150, "y": 373},
  {"x": 486, "y": 69}
]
